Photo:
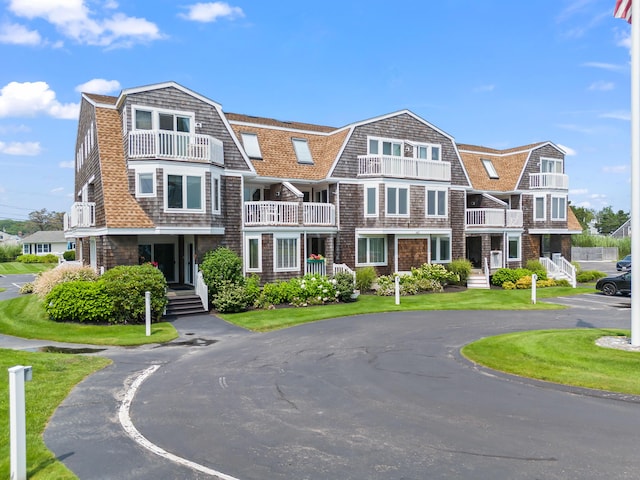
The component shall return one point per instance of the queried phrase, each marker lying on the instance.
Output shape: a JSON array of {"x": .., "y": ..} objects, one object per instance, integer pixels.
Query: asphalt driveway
[{"x": 373, "y": 396}]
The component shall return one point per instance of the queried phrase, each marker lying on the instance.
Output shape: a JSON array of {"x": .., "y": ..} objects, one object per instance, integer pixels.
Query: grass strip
[
  {"x": 569, "y": 357},
  {"x": 471, "y": 299},
  {"x": 54, "y": 375},
  {"x": 24, "y": 317},
  {"x": 16, "y": 268}
]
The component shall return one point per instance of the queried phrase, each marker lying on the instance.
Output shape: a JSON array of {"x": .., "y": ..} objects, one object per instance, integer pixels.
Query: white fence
[
  {"x": 82, "y": 215},
  {"x": 549, "y": 180},
  {"x": 403, "y": 167},
  {"x": 175, "y": 146}
]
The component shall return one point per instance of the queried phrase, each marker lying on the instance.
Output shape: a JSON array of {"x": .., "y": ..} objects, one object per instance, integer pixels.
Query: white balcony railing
[
  {"x": 549, "y": 180},
  {"x": 82, "y": 215},
  {"x": 175, "y": 146},
  {"x": 270, "y": 213},
  {"x": 494, "y": 217},
  {"x": 403, "y": 167},
  {"x": 318, "y": 213}
]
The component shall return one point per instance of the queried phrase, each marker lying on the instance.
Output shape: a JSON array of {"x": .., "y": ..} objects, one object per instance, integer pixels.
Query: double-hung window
[
  {"x": 427, "y": 152},
  {"x": 440, "y": 248},
  {"x": 558, "y": 208},
  {"x": 184, "y": 191},
  {"x": 550, "y": 165},
  {"x": 397, "y": 201},
  {"x": 371, "y": 200},
  {"x": 371, "y": 251},
  {"x": 539, "y": 208},
  {"x": 286, "y": 253},
  {"x": 436, "y": 203},
  {"x": 513, "y": 246}
]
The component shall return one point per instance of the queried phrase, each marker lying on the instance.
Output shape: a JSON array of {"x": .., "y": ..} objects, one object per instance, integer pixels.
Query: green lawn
[
  {"x": 13, "y": 268},
  {"x": 570, "y": 357},
  {"x": 54, "y": 375},
  {"x": 24, "y": 317},
  {"x": 473, "y": 299}
]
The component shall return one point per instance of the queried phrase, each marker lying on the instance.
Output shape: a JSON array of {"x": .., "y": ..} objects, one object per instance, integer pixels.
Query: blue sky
[{"x": 497, "y": 73}]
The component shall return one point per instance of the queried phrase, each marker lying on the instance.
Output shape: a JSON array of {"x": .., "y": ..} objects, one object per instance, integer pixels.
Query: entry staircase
[
  {"x": 183, "y": 302},
  {"x": 558, "y": 268},
  {"x": 479, "y": 277}
]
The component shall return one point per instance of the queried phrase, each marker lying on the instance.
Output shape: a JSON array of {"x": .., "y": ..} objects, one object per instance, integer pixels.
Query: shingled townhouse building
[{"x": 163, "y": 174}]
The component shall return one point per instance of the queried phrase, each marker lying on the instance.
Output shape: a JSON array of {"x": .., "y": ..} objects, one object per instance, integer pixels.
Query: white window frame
[
  {"x": 283, "y": 236},
  {"x": 536, "y": 218},
  {"x": 368, "y": 261},
  {"x": 398, "y": 187},
  {"x": 184, "y": 173},
  {"x": 251, "y": 145},
  {"x": 490, "y": 168},
  {"x": 216, "y": 193},
  {"x": 43, "y": 248},
  {"x": 247, "y": 253},
  {"x": 303, "y": 152},
  {"x": 380, "y": 141},
  {"x": 155, "y": 117},
  {"x": 376, "y": 199},
  {"x": 518, "y": 238},
  {"x": 555, "y": 161},
  {"x": 436, "y": 240},
  {"x": 430, "y": 148},
  {"x": 555, "y": 207},
  {"x": 139, "y": 193},
  {"x": 426, "y": 202}
]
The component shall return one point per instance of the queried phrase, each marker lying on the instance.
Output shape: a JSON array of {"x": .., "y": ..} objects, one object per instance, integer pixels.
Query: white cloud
[
  {"x": 615, "y": 169},
  {"x": 99, "y": 86},
  {"x": 68, "y": 164},
  {"x": 29, "y": 99},
  {"x": 618, "y": 115},
  {"x": 624, "y": 39},
  {"x": 15, "y": 34},
  {"x": 484, "y": 88},
  {"x": 601, "y": 86},
  {"x": 585, "y": 204},
  {"x": 576, "y": 128},
  {"x": 567, "y": 150},
  {"x": 20, "y": 148},
  {"x": 210, "y": 12},
  {"x": 74, "y": 20},
  {"x": 606, "y": 66},
  {"x": 578, "y": 191},
  {"x": 597, "y": 196},
  {"x": 57, "y": 190},
  {"x": 13, "y": 129}
]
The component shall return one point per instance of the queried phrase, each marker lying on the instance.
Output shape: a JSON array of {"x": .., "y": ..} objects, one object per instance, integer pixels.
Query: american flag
[{"x": 623, "y": 10}]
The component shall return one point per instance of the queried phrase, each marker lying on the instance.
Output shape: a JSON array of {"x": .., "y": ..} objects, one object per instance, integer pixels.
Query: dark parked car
[
  {"x": 624, "y": 264},
  {"x": 615, "y": 284}
]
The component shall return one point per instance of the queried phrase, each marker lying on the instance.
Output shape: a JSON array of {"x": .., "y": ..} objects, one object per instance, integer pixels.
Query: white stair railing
[
  {"x": 202, "y": 290},
  {"x": 343, "y": 268},
  {"x": 487, "y": 271}
]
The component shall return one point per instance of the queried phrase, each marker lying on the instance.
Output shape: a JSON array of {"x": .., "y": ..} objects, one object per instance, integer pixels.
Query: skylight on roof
[
  {"x": 251, "y": 145},
  {"x": 301, "y": 146},
  {"x": 491, "y": 170}
]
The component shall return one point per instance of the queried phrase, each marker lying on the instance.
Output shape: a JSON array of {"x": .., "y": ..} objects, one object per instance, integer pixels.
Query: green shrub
[
  {"x": 526, "y": 281},
  {"x": 280, "y": 292},
  {"x": 219, "y": 268},
  {"x": 344, "y": 287},
  {"x": 127, "y": 286},
  {"x": 31, "y": 258},
  {"x": 365, "y": 276},
  {"x": 8, "y": 253},
  {"x": 462, "y": 268},
  {"x": 27, "y": 258},
  {"x": 509, "y": 285},
  {"x": 26, "y": 288},
  {"x": 233, "y": 298},
  {"x": 534, "y": 266},
  {"x": 80, "y": 301},
  {"x": 252, "y": 285},
  {"x": 315, "y": 290},
  {"x": 435, "y": 271},
  {"x": 46, "y": 281},
  {"x": 69, "y": 255},
  {"x": 508, "y": 275},
  {"x": 586, "y": 276}
]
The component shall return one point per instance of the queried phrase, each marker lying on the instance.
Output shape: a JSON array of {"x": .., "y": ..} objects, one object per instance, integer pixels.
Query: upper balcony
[
  {"x": 288, "y": 214},
  {"x": 403, "y": 167},
  {"x": 170, "y": 145},
  {"x": 558, "y": 181},
  {"x": 494, "y": 217},
  {"x": 82, "y": 215}
]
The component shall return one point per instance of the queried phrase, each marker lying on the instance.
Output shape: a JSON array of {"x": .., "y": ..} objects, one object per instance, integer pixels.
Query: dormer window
[
  {"x": 379, "y": 146},
  {"x": 301, "y": 146},
  {"x": 143, "y": 120},
  {"x": 251, "y": 145},
  {"x": 550, "y": 165},
  {"x": 426, "y": 151},
  {"x": 490, "y": 169}
]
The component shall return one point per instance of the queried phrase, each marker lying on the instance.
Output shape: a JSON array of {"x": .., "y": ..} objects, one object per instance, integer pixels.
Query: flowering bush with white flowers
[{"x": 315, "y": 290}]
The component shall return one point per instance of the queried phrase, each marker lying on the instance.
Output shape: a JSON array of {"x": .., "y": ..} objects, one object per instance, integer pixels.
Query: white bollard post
[
  {"x": 17, "y": 427},
  {"x": 534, "y": 278},
  {"x": 147, "y": 307},
  {"x": 397, "y": 290}
]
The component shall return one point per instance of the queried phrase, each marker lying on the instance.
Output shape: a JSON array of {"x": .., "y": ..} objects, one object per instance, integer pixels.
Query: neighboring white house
[
  {"x": 8, "y": 239},
  {"x": 45, "y": 242}
]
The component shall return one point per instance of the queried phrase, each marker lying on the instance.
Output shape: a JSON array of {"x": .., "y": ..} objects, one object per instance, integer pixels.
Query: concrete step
[
  {"x": 184, "y": 305},
  {"x": 477, "y": 281}
]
